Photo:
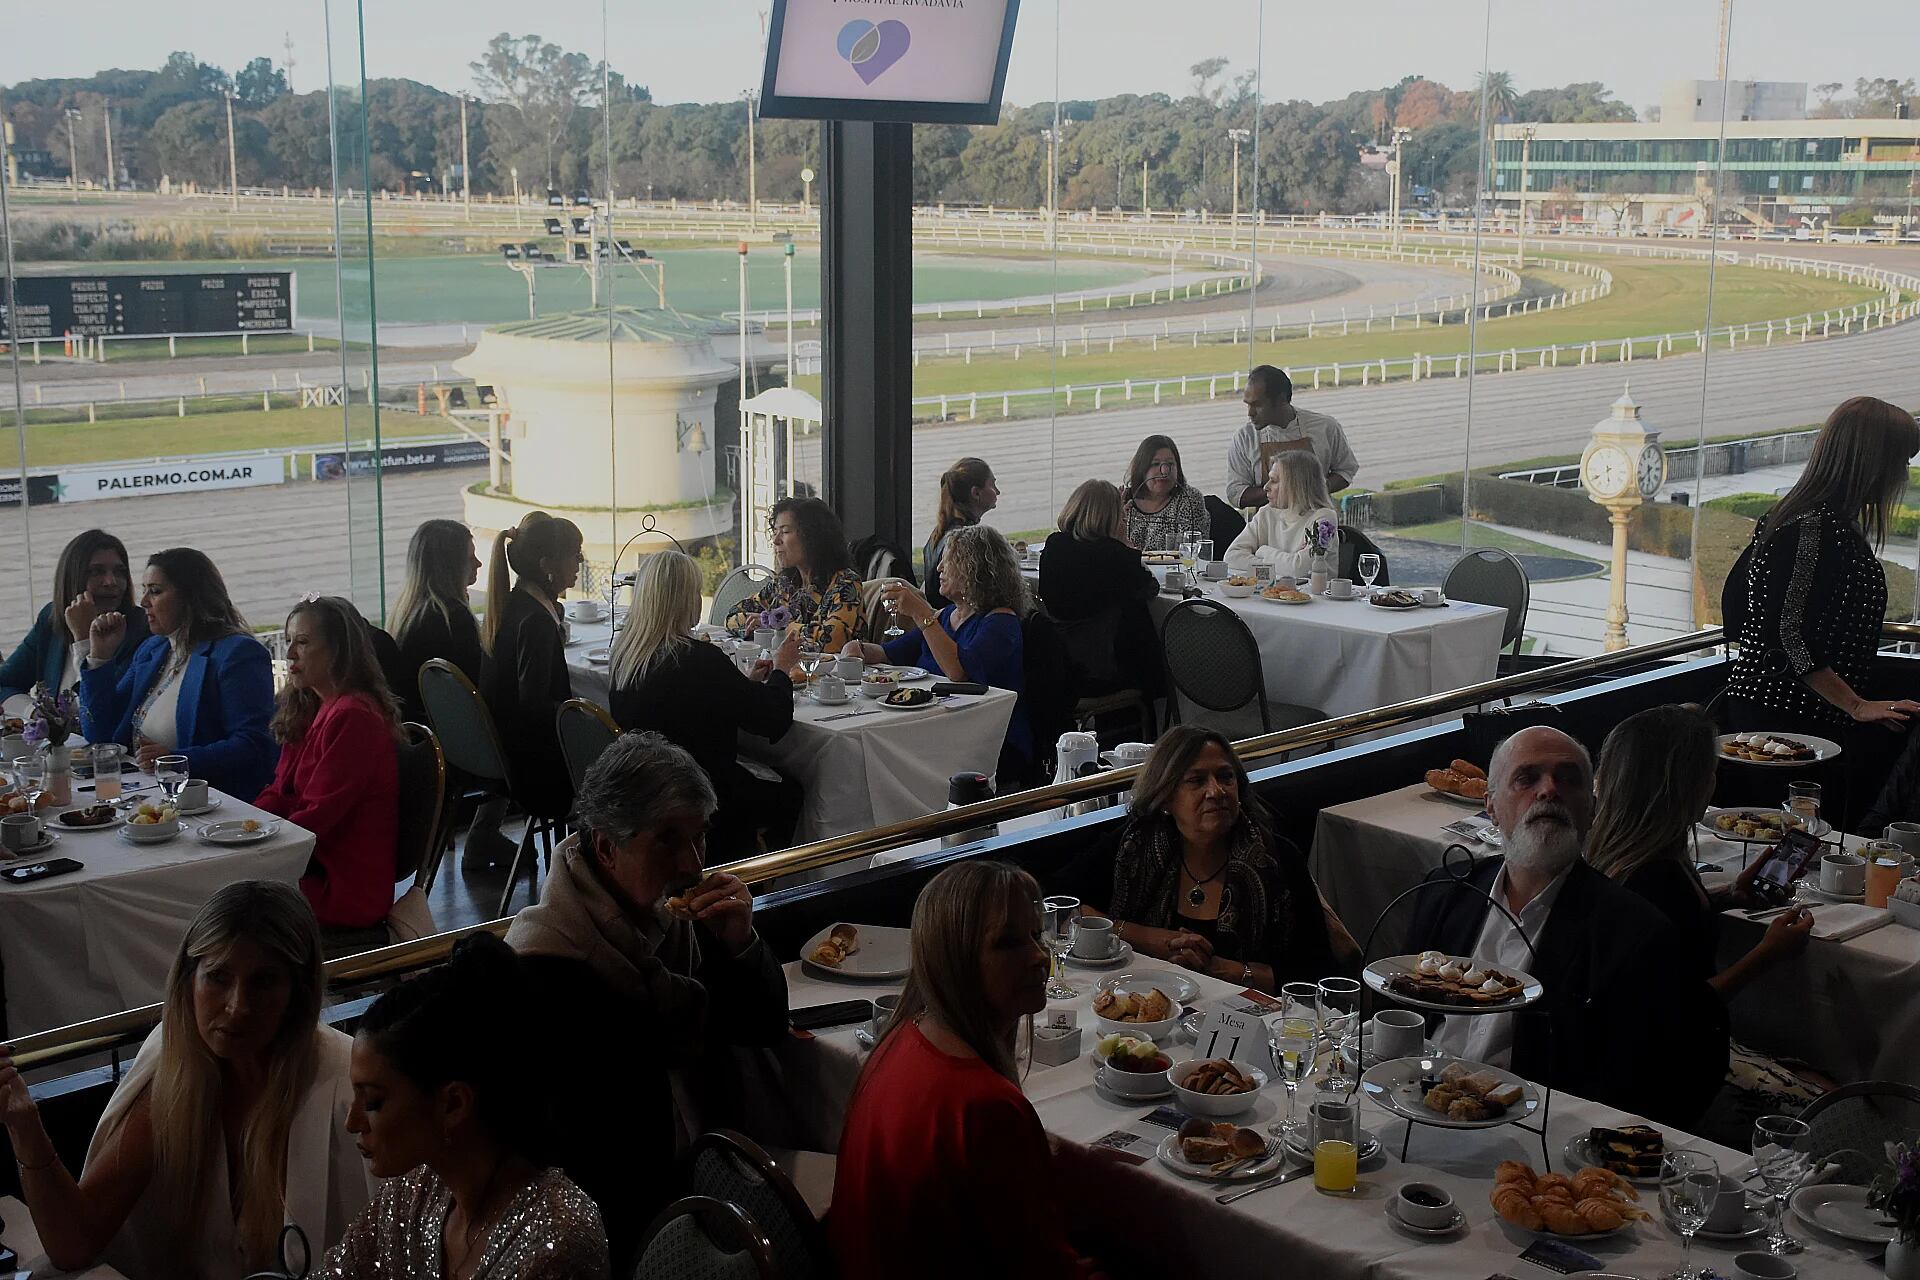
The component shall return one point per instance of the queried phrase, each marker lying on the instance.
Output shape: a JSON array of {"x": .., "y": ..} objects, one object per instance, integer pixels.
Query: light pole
[
  {"x": 1394, "y": 168},
  {"x": 513, "y": 171},
  {"x": 1145, "y": 212},
  {"x": 806, "y": 191},
  {"x": 1053, "y": 144},
  {"x": 751, "y": 96},
  {"x": 106, "y": 118},
  {"x": 1239, "y": 136},
  {"x": 1526, "y": 159},
  {"x": 466, "y": 173},
  {"x": 73, "y": 164},
  {"x": 233, "y": 160},
  {"x": 787, "y": 258}
]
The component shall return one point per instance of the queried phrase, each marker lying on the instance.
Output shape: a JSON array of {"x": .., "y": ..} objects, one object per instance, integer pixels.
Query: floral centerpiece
[
  {"x": 777, "y": 618},
  {"x": 1896, "y": 1192},
  {"x": 1320, "y": 536},
  {"x": 53, "y": 718}
]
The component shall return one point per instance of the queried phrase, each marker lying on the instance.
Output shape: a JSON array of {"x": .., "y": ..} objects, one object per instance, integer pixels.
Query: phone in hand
[{"x": 1790, "y": 858}]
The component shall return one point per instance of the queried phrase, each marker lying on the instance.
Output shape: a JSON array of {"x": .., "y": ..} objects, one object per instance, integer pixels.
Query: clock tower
[{"x": 1622, "y": 467}]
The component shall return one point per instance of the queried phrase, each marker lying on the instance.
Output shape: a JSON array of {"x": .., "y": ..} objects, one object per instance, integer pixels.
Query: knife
[{"x": 1298, "y": 1171}]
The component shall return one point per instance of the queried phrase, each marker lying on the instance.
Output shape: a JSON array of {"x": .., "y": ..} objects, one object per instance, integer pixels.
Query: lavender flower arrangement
[
  {"x": 777, "y": 618},
  {"x": 1320, "y": 535},
  {"x": 1896, "y": 1193},
  {"x": 53, "y": 718}
]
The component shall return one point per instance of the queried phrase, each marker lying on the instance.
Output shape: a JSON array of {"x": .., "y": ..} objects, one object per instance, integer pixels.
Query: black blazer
[
  {"x": 1103, "y": 584},
  {"x": 701, "y": 701},
  {"x": 524, "y": 682},
  {"x": 1625, "y": 1020},
  {"x": 433, "y": 636}
]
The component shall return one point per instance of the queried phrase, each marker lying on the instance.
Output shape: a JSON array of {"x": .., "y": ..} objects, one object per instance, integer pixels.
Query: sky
[{"x": 707, "y": 50}]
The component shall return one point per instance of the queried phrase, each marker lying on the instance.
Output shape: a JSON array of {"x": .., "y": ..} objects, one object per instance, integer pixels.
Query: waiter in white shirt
[{"x": 1275, "y": 425}]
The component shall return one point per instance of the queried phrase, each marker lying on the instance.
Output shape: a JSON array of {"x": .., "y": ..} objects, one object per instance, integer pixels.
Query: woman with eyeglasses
[
  {"x": 91, "y": 578},
  {"x": 1161, "y": 505}
]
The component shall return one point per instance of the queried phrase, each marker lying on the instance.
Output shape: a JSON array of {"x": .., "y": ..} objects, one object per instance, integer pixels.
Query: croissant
[
  {"x": 1595, "y": 1181},
  {"x": 1600, "y": 1213},
  {"x": 1467, "y": 769},
  {"x": 1511, "y": 1203},
  {"x": 1554, "y": 1182},
  {"x": 1442, "y": 779},
  {"x": 1515, "y": 1172},
  {"x": 1560, "y": 1218}
]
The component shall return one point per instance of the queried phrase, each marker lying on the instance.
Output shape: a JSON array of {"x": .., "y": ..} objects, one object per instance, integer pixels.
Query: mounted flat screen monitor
[{"x": 917, "y": 61}]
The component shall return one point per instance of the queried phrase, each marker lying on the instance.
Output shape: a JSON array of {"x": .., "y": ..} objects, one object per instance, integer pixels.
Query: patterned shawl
[{"x": 1255, "y": 908}]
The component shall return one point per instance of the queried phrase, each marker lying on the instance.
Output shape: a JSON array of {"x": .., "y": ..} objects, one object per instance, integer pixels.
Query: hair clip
[{"x": 309, "y": 597}]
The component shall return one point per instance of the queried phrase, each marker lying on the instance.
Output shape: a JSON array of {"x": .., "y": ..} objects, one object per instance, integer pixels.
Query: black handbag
[{"x": 1488, "y": 729}]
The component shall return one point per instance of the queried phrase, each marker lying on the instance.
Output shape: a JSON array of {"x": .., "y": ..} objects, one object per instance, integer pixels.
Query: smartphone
[
  {"x": 841, "y": 1014},
  {"x": 39, "y": 870},
  {"x": 944, "y": 687},
  {"x": 1791, "y": 857}
]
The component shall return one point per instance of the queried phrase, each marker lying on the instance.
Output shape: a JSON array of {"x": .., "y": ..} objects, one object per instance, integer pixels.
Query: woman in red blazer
[{"x": 338, "y": 775}]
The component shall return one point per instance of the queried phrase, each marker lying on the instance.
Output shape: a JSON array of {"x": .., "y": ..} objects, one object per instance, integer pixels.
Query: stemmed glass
[
  {"x": 1057, "y": 915},
  {"x": 1339, "y": 1000},
  {"x": 1689, "y": 1185},
  {"x": 1189, "y": 553},
  {"x": 30, "y": 776},
  {"x": 171, "y": 771},
  {"x": 894, "y": 630},
  {"x": 1293, "y": 1037},
  {"x": 1369, "y": 567},
  {"x": 1780, "y": 1153}
]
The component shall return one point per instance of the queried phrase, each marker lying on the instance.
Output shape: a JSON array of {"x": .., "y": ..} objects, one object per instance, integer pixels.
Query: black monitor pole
[{"x": 866, "y": 268}]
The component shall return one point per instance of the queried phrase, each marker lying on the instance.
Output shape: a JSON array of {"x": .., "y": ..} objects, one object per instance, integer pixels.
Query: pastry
[
  {"x": 1512, "y": 1203},
  {"x": 1217, "y": 1076},
  {"x": 1204, "y": 1150},
  {"x": 1634, "y": 1150},
  {"x": 1281, "y": 593},
  {"x": 1600, "y": 1213},
  {"x": 1590, "y": 1201},
  {"x": 1471, "y": 786},
  {"x": 1446, "y": 984},
  {"x": 1151, "y": 1005},
  {"x": 841, "y": 941},
  {"x": 680, "y": 905}
]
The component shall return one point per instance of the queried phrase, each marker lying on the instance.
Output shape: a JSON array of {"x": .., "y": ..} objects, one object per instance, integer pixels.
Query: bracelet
[
  {"x": 932, "y": 619},
  {"x": 1246, "y": 973}
]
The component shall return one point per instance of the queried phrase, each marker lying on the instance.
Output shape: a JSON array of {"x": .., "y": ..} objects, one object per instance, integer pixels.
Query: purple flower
[
  {"x": 35, "y": 730},
  {"x": 776, "y": 618}
]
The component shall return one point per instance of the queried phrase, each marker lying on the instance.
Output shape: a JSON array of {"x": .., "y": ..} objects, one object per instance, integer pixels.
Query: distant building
[{"x": 1698, "y": 101}]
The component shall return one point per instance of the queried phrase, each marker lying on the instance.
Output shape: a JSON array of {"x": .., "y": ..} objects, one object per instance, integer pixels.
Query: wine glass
[
  {"x": 1339, "y": 1000},
  {"x": 1689, "y": 1186},
  {"x": 1369, "y": 567},
  {"x": 171, "y": 771},
  {"x": 1781, "y": 1155},
  {"x": 1293, "y": 1038},
  {"x": 30, "y": 777},
  {"x": 894, "y": 630},
  {"x": 1202, "y": 554},
  {"x": 1057, "y": 915}
]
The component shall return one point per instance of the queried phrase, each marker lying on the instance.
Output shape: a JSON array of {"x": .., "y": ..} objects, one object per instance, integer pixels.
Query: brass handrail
[{"x": 119, "y": 1029}]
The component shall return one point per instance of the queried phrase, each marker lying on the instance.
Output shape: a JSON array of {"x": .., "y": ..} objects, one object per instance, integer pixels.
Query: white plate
[
  {"x": 1270, "y": 600},
  {"x": 1103, "y": 1075},
  {"x": 882, "y": 703},
  {"x": 1377, "y": 974},
  {"x": 1122, "y": 952},
  {"x": 125, "y": 834},
  {"x": 1378, "y": 604},
  {"x": 119, "y": 816},
  {"x": 1430, "y": 1233},
  {"x": 1820, "y": 825},
  {"x": 1366, "y": 1050},
  {"x": 601, "y": 656},
  {"x": 1579, "y": 1154},
  {"x": 885, "y": 955},
  {"x": 1754, "y": 1224},
  {"x": 1396, "y": 1086},
  {"x": 213, "y": 802},
  {"x": 1169, "y": 1153},
  {"x": 1176, "y": 988},
  {"x": 1808, "y": 889},
  {"x": 1481, "y": 803},
  {"x": 1822, "y": 748},
  {"x": 48, "y": 837},
  {"x": 1843, "y": 1211},
  {"x": 232, "y": 832},
  {"x": 901, "y": 675}
]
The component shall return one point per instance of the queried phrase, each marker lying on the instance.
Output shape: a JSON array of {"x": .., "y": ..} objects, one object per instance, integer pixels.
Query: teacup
[
  {"x": 13, "y": 746},
  {"x": 1430, "y": 596},
  {"x": 583, "y": 610},
  {"x": 1093, "y": 937},
  {"x": 19, "y": 831},
  {"x": 1843, "y": 873},
  {"x": 193, "y": 794},
  {"x": 1215, "y": 570},
  {"x": 830, "y": 689},
  {"x": 883, "y": 1007},
  {"x": 1398, "y": 1033},
  {"x": 1424, "y": 1204},
  {"x": 1729, "y": 1212},
  {"x": 766, "y": 638},
  {"x": 1906, "y": 835},
  {"x": 1175, "y": 580},
  {"x": 850, "y": 667},
  {"x": 1340, "y": 589}
]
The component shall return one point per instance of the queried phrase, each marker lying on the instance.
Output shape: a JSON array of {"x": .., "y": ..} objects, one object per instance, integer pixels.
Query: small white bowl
[
  {"x": 1427, "y": 1216},
  {"x": 153, "y": 832},
  {"x": 1214, "y": 1105},
  {"x": 1145, "y": 1030},
  {"x": 1236, "y": 593},
  {"x": 1133, "y": 1084}
]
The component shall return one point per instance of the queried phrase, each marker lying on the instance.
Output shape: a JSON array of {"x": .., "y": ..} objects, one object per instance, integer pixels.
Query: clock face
[
  {"x": 1653, "y": 470},
  {"x": 1607, "y": 472}
]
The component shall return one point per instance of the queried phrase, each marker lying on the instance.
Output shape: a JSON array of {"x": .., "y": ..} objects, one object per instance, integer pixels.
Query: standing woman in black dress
[
  {"x": 526, "y": 671},
  {"x": 1806, "y": 599}
]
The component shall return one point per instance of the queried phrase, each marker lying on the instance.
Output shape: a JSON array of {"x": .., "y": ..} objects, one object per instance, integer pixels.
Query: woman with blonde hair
[
  {"x": 338, "y": 726},
  {"x": 967, "y": 492},
  {"x": 432, "y": 618},
  {"x": 690, "y": 692},
  {"x": 231, "y": 1121},
  {"x": 1097, "y": 590},
  {"x": 1298, "y": 508},
  {"x": 941, "y": 1156},
  {"x": 525, "y": 679}
]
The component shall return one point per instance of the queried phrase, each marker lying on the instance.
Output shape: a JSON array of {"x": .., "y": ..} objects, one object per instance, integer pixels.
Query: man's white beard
[{"x": 1544, "y": 846}]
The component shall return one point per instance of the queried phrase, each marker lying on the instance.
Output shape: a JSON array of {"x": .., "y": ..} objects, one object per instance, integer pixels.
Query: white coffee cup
[
  {"x": 830, "y": 689},
  {"x": 1093, "y": 937},
  {"x": 1175, "y": 580},
  {"x": 1430, "y": 595},
  {"x": 1763, "y": 1266},
  {"x": 19, "y": 831},
  {"x": 1843, "y": 873},
  {"x": 766, "y": 638},
  {"x": 1398, "y": 1033},
  {"x": 1906, "y": 835},
  {"x": 1729, "y": 1212},
  {"x": 13, "y": 746},
  {"x": 883, "y": 1007},
  {"x": 1131, "y": 753},
  {"x": 1340, "y": 588},
  {"x": 850, "y": 667},
  {"x": 193, "y": 793},
  {"x": 583, "y": 610}
]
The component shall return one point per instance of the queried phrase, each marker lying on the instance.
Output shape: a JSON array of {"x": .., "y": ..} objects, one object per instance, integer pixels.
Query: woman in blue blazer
[
  {"x": 90, "y": 579},
  {"x": 200, "y": 686}
]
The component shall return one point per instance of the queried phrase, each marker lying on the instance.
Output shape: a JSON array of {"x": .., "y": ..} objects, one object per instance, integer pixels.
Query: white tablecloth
[
  {"x": 859, "y": 771},
  {"x": 99, "y": 940},
  {"x": 1846, "y": 1007},
  {"x": 1327, "y": 1237}
]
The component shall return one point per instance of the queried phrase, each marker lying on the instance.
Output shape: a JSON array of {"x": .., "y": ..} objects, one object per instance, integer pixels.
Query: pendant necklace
[{"x": 1198, "y": 894}]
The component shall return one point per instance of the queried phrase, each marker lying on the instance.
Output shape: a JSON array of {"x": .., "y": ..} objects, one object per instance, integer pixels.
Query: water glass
[
  {"x": 1336, "y": 1147},
  {"x": 172, "y": 774},
  {"x": 1369, "y": 567},
  {"x": 30, "y": 779},
  {"x": 1803, "y": 800},
  {"x": 1294, "y": 1037},
  {"x": 1780, "y": 1154},
  {"x": 1689, "y": 1188},
  {"x": 1339, "y": 1000},
  {"x": 1057, "y": 915},
  {"x": 106, "y": 771},
  {"x": 1190, "y": 552}
]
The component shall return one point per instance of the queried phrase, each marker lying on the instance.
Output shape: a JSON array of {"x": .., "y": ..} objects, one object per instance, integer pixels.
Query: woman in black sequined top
[{"x": 1806, "y": 599}]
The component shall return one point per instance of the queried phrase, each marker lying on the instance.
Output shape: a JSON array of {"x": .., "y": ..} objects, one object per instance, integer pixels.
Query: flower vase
[
  {"x": 1903, "y": 1260},
  {"x": 1318, "y": 574},
  {"x": 59, "y": 772}
]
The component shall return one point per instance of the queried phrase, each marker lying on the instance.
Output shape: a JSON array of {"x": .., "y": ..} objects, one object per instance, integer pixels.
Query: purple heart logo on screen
[{"x": 871, "y": 47}]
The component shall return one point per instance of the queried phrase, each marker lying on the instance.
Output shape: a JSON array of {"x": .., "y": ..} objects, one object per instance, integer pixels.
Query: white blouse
[
  {"x": 1279, "y": 536},
  {"x": 159, "y": 718}
]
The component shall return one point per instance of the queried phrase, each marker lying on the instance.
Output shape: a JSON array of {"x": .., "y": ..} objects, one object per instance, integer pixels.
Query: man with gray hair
[
  {"x": 643, "y": 967},
  {"x": 1615, "y": 998}
]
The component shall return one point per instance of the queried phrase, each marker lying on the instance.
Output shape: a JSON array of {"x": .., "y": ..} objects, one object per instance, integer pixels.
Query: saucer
[
  {"x": 1122, "y": 952},
  {"x": 48, "y": 838},
  {"x": 1431, "y": 1233}
]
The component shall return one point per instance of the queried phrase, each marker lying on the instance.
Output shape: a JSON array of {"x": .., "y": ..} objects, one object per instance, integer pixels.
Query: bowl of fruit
[
  {"x": 152, "y": 823},
  {"x": 1132, "y": 1067}
]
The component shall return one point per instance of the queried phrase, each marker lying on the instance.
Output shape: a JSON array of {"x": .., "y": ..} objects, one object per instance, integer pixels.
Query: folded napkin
[{"x": 1839, "y": 921}]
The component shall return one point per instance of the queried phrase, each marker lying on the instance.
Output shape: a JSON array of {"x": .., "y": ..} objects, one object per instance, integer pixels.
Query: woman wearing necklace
[
  {"x": 444, "y": 1114},
  {"x": 1201, "y": 879}
]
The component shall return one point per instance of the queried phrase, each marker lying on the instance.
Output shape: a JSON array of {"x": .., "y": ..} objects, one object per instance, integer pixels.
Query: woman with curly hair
[
  {"x": 976, "y": 638},
  {"x": 815, "y": 585}
]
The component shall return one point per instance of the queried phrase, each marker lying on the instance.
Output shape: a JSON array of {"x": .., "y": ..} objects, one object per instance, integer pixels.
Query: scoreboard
[{"x": 150, "y": 305}]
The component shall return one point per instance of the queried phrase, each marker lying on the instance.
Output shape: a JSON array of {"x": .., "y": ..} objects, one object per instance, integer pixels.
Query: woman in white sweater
[{"x": 1297, "y": 499}]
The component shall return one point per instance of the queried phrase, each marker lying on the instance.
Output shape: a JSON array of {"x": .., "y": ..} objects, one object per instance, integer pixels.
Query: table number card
[{"x": 1228, "y": 1033}]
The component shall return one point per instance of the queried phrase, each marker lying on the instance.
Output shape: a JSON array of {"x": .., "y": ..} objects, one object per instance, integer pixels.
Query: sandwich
[{"x": 680, "y": 906}]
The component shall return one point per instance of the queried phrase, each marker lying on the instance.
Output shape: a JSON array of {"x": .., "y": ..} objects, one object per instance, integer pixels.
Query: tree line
[{"x": 540, "y": 116}]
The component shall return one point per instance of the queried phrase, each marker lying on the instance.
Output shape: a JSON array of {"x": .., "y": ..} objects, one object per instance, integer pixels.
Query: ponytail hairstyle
[
  {"x": 957, "y": 484},
  {"x": 537, "y": 537},
  {"x": 444, "y": 1025}
]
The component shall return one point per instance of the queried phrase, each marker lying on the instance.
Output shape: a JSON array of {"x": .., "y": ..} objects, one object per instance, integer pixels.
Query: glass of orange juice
[
  {"x": 1336, "y": 1147},
  {"x": 1885, "y": 863},
  {"x": 106, "y": 771}
]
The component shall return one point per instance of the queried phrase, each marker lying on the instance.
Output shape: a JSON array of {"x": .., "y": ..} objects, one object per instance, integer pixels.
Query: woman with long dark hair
[
  {"x": 967, "y": 492},
  {"x": 339, "y": 773},
  {"x": 1161, "y": 505},
  {"x": 525, "y": 679},
  {"x": 199, "y": 686},
  {"x": 431, "y": 618},
  {"x": 449, "y": 1121},
  {"x": 90, "y": 578},
  {"x": 814, "y": 583}
]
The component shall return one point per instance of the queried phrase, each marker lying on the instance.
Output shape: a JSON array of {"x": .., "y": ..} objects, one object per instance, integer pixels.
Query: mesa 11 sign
[{"x": 157, "y": 305}]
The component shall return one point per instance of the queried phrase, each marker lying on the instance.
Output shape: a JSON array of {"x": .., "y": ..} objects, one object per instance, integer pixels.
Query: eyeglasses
[{"x": 1161, "y": 466}]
